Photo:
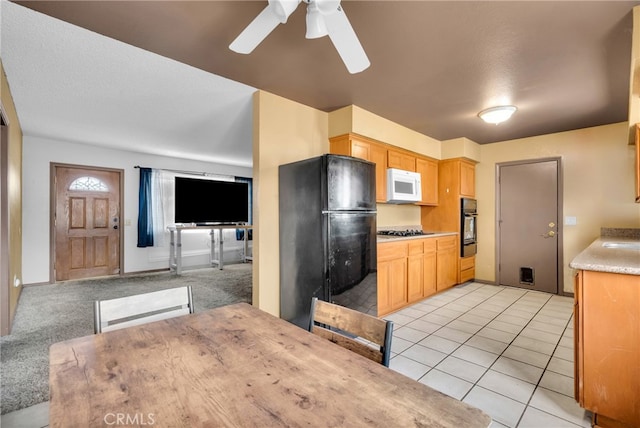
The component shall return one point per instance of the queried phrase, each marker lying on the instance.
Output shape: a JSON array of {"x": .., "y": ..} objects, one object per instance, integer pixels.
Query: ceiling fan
[{"x": 324, "y": 17}]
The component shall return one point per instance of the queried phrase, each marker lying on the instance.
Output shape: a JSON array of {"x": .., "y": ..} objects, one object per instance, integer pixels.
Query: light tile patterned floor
[{"x": 508, "y": 351}]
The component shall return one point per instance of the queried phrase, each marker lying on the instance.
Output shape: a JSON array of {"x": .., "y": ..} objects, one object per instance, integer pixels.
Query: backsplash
[
  {"x": 618, "y": 232},
  {"x": 397, "y": 215}
]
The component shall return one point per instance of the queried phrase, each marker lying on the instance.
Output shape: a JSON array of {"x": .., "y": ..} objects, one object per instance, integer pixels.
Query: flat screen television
[{"x": 211, "y": 202}]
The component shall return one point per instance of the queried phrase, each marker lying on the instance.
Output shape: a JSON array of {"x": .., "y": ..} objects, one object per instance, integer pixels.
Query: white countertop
[{"x": 598, "y": 257}]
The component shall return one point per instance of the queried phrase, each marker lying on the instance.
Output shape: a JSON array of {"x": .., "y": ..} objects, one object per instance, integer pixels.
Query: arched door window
[{"x": 89, "y": 184}]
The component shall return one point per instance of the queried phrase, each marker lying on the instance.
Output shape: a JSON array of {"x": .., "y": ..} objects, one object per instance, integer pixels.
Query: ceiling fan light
[
  {"x": 316, "y": 27},
  {"x": 496, "y": 115}
]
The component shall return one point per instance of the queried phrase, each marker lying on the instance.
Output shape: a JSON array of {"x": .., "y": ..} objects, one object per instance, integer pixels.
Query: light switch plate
[{"x": 570, "y": 221}]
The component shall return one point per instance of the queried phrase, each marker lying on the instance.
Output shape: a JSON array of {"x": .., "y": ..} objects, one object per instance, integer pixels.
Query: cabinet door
[
  {"x": 429, "y": 266},
  {"x": 379, "y": 157},
  {"x": 360, "y": 149},
  {"x": 577, "y": 343},
  {"x": 414, "y": 278},
  {"x": 401, "y": 160},
  {"x": 446, "y": 262},
  {"x": 349, "y": 145},
  {"x": 467, "y": 179},
  {"x": 398, "y": 283},
  {"x": 429, "y": 179},
  {"x": 384, "y": 298},
  {"x": 610, "y": 337}
]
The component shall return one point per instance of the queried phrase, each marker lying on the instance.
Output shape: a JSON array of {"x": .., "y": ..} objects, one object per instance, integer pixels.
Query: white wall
[{"x": 39, "y": 153}]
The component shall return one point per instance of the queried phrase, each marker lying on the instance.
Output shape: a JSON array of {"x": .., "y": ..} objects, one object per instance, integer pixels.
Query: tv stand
[{"x": 175, "y": 247}]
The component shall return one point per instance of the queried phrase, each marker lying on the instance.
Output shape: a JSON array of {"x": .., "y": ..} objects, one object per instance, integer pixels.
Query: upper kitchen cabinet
[
  {"x": 367, "y": 149},
  {"x": 458, "y": 177},
  {"x": 401, "y": 160},
  {"x": 428, "y": 169}
]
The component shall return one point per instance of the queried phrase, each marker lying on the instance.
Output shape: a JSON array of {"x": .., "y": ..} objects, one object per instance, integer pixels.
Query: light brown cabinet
[
  {"x": 446, "y": 262},
  {"x": 414, "y": 270},
  {"x": 387, "y": 156},
  {"x": 392, "y": 276},
  {"x": 467, "y": 179},
  {"x": 428, "y": 169},
  {"x": 607, "y": 347},
  {"x": 367, "y": 149},
  {"x": 401, "y": 160},
  {"x": 467, "y": 268},
  {"x": 456, "y": 180},
  {"x": 410, "y": 270}
]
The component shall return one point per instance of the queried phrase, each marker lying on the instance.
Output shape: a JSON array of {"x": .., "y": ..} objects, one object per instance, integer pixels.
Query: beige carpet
[{"x": 52, "y": 313}]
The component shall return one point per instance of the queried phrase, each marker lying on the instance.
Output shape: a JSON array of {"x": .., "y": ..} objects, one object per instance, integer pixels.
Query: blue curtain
[
  {"x": 145, "y": 213},
  {"x": 240, "y": 232}
]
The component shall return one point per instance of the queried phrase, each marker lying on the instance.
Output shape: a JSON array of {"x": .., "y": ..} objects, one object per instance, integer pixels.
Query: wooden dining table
[{"x": 235, "y": 366}]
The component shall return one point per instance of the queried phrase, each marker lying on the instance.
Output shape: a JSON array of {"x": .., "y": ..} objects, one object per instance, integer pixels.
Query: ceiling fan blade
[
  {"x": 257, "y": 31},
  {"x": 346, "y": 41}
]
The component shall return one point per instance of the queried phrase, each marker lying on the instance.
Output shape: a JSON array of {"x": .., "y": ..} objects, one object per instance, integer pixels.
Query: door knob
[
  {"x": 549, "y": 234},
  {"x": 115, "y": 226}
]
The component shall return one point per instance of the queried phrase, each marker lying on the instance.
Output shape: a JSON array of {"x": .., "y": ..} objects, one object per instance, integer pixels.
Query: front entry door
[
  {"x": 528, "y": 230},
  {"x": 86, "y": 222}
]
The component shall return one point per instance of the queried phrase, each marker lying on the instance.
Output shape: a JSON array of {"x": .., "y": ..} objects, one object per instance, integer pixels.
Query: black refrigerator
[{"x": 327, "y": 235}]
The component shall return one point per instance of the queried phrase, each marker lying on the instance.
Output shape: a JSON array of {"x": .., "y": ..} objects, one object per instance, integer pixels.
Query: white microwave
[{"x": 403, "y": 186}]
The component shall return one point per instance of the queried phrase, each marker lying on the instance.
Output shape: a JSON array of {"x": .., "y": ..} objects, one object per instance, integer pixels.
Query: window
[{"x": 89, "y": 184}]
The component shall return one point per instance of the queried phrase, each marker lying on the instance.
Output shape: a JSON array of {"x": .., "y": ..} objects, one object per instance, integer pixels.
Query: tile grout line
[
  {"x": 530, "y": 319},
  {"x": 543, "y": 373}
]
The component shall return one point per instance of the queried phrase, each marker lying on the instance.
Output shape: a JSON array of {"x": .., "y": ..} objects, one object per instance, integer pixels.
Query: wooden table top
[{"x": 235, "y": 366}]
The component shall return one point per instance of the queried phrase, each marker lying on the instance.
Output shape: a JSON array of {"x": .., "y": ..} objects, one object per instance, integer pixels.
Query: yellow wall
[
  {"x": 14, "y": 184},
  {"x": 381, "y": 129},
  {"x": 598, "y": 179},
  {"x": 284, "y": 132},
  {"x": 461, "y": 148}
]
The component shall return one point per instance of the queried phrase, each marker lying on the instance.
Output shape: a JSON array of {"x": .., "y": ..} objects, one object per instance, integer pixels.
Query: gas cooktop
[{"x": 407, "y": 232}]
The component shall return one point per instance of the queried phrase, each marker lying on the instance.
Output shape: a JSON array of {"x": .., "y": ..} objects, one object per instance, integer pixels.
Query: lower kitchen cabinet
[
  {"x": 415, "y": 277},
  {"x": 408, "y": 270},
  {"x": 467, "y": 269},
  {"x": 607, "y": 347},
  {"x": 446, "y": 262},
  {"x": 392, "y": 276}
]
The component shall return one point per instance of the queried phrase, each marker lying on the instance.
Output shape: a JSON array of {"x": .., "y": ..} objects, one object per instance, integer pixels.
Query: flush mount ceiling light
[{"x": 498, "y": 114}]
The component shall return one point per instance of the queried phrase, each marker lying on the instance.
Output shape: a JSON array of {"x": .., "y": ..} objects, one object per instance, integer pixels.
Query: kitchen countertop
[
  {"x": 599, "y": 257},
  {"x": 390, "y": 238}
]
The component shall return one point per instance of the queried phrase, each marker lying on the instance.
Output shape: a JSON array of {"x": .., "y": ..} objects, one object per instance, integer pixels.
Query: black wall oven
[{"x": 468, "y": 232}]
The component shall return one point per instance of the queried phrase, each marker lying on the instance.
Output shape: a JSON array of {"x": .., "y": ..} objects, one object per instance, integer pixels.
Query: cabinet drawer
[
  {"x": 416, "y": 247},
  {"x": 467, "y": 263},
  {"x": 467, "y": 275},
  {"x": 446, "y": 242},
  {"x": 392, "y": 250},
  {"x": 429, "y": 245}
]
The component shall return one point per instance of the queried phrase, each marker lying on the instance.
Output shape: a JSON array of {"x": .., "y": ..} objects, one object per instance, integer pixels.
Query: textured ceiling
[{"x": 434, "y": 64}]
